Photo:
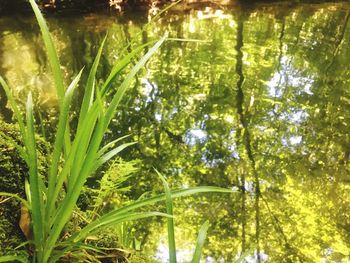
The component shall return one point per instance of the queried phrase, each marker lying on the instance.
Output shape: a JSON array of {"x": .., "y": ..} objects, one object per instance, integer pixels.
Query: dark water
[{"x": 261, "y": 106}]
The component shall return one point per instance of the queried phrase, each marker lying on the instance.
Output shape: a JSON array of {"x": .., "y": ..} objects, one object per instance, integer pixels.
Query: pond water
[{"x": 260, "y": 105}]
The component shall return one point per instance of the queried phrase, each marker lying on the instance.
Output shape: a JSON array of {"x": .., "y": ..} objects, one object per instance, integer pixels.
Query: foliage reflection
[{"x": 259, "y": 106}]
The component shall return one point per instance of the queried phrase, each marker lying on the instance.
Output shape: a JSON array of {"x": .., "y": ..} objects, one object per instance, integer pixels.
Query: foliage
[{"x": 111, "y": 184}]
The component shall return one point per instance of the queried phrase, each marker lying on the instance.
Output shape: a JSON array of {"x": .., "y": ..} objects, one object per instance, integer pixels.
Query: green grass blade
[
  {"x": 27, "y": 191},
  {"x": 111, "y": 144},
  {"x": 117, "y": 68},
  {"x": 59, "y": 142},
  {"x": 89, "y": 89},
  {"x": 126, "y": 83},
  {"x": 150, "y": 201},
  {"x": 109, "y": 221},
  {"x": 64, "y": 212},
  {"x": 51, "y": 50},
  {"x": 78, "y": 150},
  {"x": 13, "y": 259},
  {"x": 35, "y": 181},
  {"x": 25, "y": 243},
  {"x": 79, "y": 144},
  {"x": 82, "y": 142},
  {"x": 170, "y": 221},
  {"x": 200, "y": 242},
  {"x": 24, "y": 202},
  {"x": 54, "y": 62},
  {"x": 87, "y": 166},
  {"x": 109, "y": 155}
]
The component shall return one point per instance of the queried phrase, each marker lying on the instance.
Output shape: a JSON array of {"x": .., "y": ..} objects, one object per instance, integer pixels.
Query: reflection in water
[{"x": 261, "y": 107}]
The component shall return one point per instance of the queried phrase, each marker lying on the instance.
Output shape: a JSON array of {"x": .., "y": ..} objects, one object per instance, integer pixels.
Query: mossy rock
[{"x": 13, "y": 171}]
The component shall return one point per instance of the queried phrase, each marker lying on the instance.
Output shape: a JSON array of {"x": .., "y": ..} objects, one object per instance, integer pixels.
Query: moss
[{"x": 13, "y": 171}]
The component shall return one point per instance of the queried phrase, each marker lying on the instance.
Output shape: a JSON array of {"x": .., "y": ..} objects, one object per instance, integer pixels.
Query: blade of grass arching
[
  {"x": 107, "y": 156},
  {"x": 150, "y": 201},
  {"x": 126, "y": 83},
  {"x": 59, "y": 141},
  {"x": 23, "y": 244},
  {"x": 117, "y": 68},
  {"x": 34, "y": 180},
  {"x": 170, "y": 220},
  {"x": 13, "y": 259},
  {"x": 89, "y": 88},
  {"x": 111, "y": 144},
  {"x": 54, "y": 63},
  {"x": 24, "y": 202},
  {"x": 51, "y": 50},
  {"x": 106, "y": 222},
  {"x": 188, "y": 40},
  {"x": 202, "y": 235},
  {"x": 14, "y": 106}
]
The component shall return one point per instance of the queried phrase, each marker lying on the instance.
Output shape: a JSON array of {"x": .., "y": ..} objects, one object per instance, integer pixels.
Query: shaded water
[{"x": 261, "y": 106}]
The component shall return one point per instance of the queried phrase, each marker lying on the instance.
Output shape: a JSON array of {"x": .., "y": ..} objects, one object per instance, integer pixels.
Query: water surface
[{"x": 260, "y": 105}]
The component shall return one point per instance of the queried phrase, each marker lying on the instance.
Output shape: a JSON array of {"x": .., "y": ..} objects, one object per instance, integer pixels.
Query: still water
[{"x": 260, "y": 105}]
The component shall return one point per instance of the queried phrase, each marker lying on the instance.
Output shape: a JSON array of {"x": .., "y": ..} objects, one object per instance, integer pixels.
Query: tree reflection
[{"x": 260, "y": 106}]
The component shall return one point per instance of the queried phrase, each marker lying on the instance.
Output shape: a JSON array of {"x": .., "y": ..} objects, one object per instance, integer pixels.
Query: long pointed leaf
[
  {"x": 64, "y": 212},
  {"x": 109, "y": 155},
  {"x": 118, "y": 67},
  {"x": 13, "y": 259},
  {"x": 89, "y": 89},
  {"x": 34, "y": 180},
  {"x": 200, "y": 242},
  {"x": 51, "y": 50},
  {"x": 171, "y": 228},
  {"x": 126, "y": 83},
  {"x": 106, "y": 222},
  {"x": 59, "y": 142},
  {"x": 24, "y": 202},
  {"x": 54, "y": 63},
  {"x": 150, "y": 201},
  {"x": 111, "y": 144}
]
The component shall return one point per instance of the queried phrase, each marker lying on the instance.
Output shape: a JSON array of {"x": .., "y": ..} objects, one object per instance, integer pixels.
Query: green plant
[
  {"x": 171, "y": 230},
  {"x": 52, "y": 199}
]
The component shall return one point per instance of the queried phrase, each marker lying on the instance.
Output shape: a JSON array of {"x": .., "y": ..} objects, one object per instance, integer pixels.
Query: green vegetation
[
  {"x": 261, "y": 107},
  {"x": 12, "y": 174},
  {"x": 52, "y": 195}
]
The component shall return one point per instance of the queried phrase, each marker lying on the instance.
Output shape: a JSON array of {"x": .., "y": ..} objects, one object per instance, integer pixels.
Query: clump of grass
[{"x": 76, "y": 156}]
